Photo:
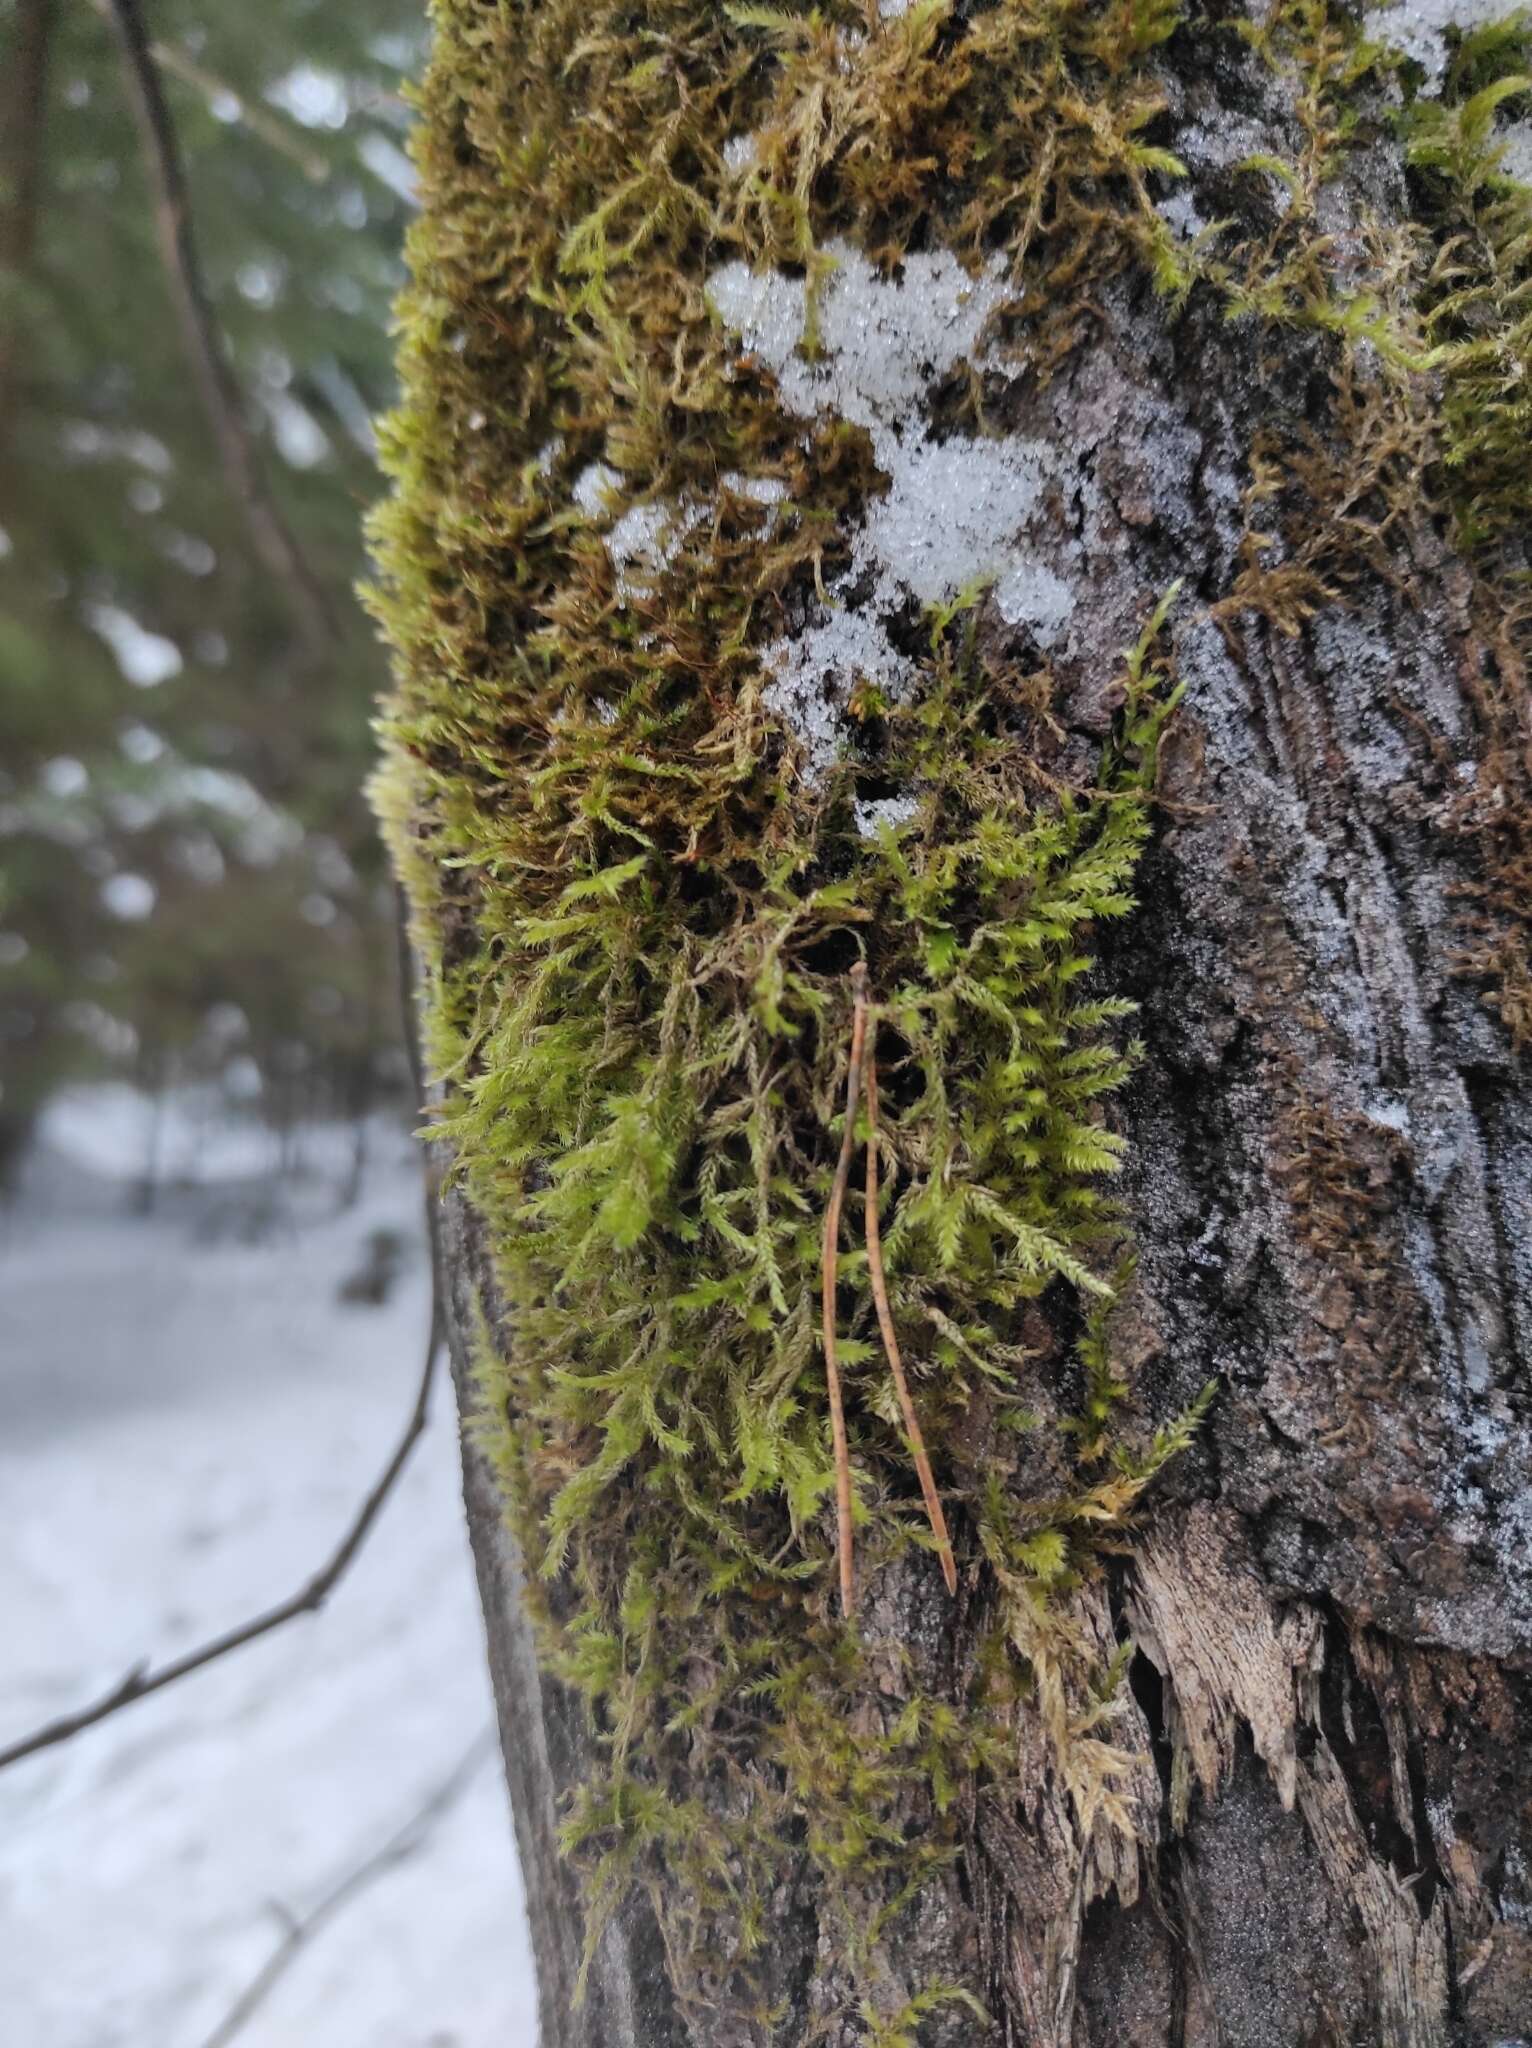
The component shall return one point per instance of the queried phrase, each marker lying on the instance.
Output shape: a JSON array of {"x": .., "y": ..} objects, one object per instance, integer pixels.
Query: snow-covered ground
[{"x": 186, "y": 1427}]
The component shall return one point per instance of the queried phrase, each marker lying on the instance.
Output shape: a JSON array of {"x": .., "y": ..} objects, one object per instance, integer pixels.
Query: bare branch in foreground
[
  {"x": 406, "y": 1842},
  {"x": 216, "y": 382},
  {"x": 143, "y": 1680}
]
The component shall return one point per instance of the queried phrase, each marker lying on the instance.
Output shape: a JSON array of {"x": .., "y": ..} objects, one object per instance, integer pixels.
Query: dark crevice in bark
[{"x": 1353, "y": 1727}]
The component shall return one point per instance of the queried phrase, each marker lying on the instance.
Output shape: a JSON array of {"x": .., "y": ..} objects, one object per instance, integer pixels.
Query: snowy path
[{"x": 184, "y": 1432}]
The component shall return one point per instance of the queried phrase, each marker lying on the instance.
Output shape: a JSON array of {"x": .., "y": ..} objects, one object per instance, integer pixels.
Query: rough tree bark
[{"x": 1328, "y": 1140}]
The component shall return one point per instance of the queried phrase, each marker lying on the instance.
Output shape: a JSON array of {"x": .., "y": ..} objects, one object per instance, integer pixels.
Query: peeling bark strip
[{"x": 804, "y": 412}]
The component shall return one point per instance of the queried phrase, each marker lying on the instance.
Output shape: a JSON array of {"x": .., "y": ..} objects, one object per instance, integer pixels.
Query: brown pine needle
[
  {"x": 828, "y": 1266},
  {"x": 932, "y": 1498}
]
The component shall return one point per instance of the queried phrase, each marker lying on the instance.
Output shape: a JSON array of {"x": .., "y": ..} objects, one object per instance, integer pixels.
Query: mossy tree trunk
[{"x": 802, "y": 417}]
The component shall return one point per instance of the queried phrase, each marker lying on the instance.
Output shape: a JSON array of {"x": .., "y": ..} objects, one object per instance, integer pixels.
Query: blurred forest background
[
  {"x": 191, "y": 892},
  {"x": 214, "y": 1281}
]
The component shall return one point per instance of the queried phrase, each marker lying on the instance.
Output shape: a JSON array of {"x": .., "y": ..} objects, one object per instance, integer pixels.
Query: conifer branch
[{"x": 217, "y": 385}]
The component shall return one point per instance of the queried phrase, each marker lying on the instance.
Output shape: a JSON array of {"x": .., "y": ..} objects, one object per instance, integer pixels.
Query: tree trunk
[{"x": 1163, "y": 319}]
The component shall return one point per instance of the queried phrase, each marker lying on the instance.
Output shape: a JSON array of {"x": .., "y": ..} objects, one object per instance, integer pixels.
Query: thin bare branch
[
  {"x": 271, "y": 129},
  {"x": 401, "y": 1845},
  {"x": 23, "y": 117},
  {"x": 933, "y": 1500},
  {"x": 143, "y": 1679},
  {"x": 219, "y": 390},
  {"x": 829, "y": 1264}
]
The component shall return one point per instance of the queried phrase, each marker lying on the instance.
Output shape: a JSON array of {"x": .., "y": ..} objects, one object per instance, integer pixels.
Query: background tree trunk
[{"x": 1329, "y": 1148}]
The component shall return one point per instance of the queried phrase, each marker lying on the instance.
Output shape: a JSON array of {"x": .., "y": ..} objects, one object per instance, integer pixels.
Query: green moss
[
  {"x": 1477, "y": 293},
  {"x": 638, "y": 918}
]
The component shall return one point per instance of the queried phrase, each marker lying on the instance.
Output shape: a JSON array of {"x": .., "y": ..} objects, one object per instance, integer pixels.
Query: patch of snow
[
  {"x": 185, "y": 1431},
  {"x": 593, "y": 487},
  {"x": 814, "y": 670},
  {"x": 1418, "y": 28},
  {"x": 883, "y": 343},
  {"x": 1389, "y": 1111},
  {"x": 1179, "y": 209},
  {"x": 952, "y": 510},
  {"x": 873, "y": 813},
  {"x": 1515, "y": 1891},
  {"x": 956, "y": 511},
  {"x": 766, "y": 490},
  {"x": 643, "y": 541},
  {"x": 1517, "y": 160},
  {"x": 1031, "y": 595}
]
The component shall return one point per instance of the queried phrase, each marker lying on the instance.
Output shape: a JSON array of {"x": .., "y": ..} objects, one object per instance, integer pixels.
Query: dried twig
[
  {"x": 401, "y": 1845},
  {"x": 216, "y": 382},
  {"x": 23, "y": 114},
  {"x": 932, "y": 1498},
  {"x": 827, "y": 1281},
  {"x": 142, "y": 1681}
]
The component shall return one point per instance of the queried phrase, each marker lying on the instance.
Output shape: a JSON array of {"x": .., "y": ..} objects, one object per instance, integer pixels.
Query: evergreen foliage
[{"x": 189, "y": 874}]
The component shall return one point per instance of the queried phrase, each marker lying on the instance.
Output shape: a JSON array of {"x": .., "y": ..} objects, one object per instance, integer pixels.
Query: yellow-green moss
[{"x": 638, "y": 915}]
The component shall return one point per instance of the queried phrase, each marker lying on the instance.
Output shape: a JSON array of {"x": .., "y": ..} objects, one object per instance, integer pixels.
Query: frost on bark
[{"x": 1320, "y": 1784}]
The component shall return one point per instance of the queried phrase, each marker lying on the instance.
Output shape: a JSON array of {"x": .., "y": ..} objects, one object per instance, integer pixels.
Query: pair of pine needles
[{"x": 862, "y": 1077}]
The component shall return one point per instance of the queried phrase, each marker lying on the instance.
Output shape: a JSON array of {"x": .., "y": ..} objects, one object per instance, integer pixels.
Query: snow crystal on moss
[
  {"x": 1418, "y": 28},
  {"x": 1517, "y": 161},
  {"x": 955, "y": 512},
  {"x": 873, "y": 813}
]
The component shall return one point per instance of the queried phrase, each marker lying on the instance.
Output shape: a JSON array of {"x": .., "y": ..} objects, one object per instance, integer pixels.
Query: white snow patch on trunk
[
  {"x": 1517, "y": 161},
  {"x": 873, "y": 813},
  {"x": 644, "y": 540},
  {"x": 1418, "y": 28},
  {"x": 956, "y": 512}
]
